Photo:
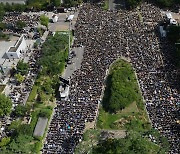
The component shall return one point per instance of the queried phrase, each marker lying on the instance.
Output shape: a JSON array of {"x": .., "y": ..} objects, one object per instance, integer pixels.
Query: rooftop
[
  {"x": 40, "y": 126},
  {"x": 4, "y": 46},
  {"x": 13, "y": 1}
]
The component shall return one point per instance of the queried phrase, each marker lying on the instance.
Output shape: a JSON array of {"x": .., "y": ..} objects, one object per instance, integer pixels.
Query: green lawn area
[
  {"x": 90, "y": 138},
  {"x": 33, "y": 94},
  {"x": 106, "y": 5},
  {"x": 133, "y": 116},
  {"x": 107, "y": 120}
]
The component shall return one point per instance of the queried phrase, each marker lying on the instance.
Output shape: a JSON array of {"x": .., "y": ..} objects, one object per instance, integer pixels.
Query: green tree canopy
[
  {"x": 44, "y": 20},
  {"x": 133, "y": 143},
  {"x": 132, "y": 3},
  {"x": 5, "y": 105},
  {"x": 19, "y": 78},
  {"x": 56, "y": 2},
  {"x": 2, "y": 26},
  {"x": 4, "y": 141},
  {"x": 2, "y": 11},
  {"x": 22, "y": 67},
  {"x": 45, "y": 113},
  {"x": 54, "y": 54},
  {"x": 121, "y": 87},
  {"x": 20, "y": 110},
  {"x": 20, "y": 24}
]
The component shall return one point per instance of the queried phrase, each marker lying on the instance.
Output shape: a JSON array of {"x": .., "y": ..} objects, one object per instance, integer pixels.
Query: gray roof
[
  {"x": 40, "y": 126},
  {"x": 13, "y": 1}
]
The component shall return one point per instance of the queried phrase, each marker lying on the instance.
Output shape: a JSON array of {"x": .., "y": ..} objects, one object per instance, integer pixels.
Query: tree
[
  {"x": 5, "y": 105},
  {"x": 20, "y": 24},
  {"x": 121, "y": 87},
  {"x": 20, "y": 110},
  {"x": 2, "y": 26},
  {"x": 132, "y": 3},
  {"x": 56, "y": 3},
  {"x": 44, "y": 20},
  {"x": 4, "y": 141},
  {"x": 14, "y": 125},
  {"x": 165, "y": 3},
  {"x": 2, "y": 11},
  {"x": 19, "y": 78},
  {"x": 45, "y": 113},
  {"x": 22, "y": 67},
  {"x": 133, "y": 143},
  {"x": 41, "y": 97}
]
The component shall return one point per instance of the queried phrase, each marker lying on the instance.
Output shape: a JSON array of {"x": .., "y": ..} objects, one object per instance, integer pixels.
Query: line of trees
[
  {"x": 132, "y": 143},
  {"x": 54, "y": 54}
]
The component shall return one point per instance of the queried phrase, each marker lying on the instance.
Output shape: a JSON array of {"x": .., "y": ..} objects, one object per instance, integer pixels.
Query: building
[
  {"x": 170, "y": 18},
  {"x": 15, "y": 51},
  {"x": 13, "y": 1},
  {"x": 11, "y": 51},
  {"x": 63, "y": 90},
  {"x": 40, "y": 127}
]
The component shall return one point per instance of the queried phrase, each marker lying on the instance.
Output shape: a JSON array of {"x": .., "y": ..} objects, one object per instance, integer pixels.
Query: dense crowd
[
  {"x": 11, "y": 18},
  {"x": 19, "y": 93},
  {"x": 106, "y": 37}
]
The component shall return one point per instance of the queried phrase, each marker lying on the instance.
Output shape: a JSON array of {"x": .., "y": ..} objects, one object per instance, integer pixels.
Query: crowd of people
[
  {"x": 19, "y": 92},
  {"x": 107, "y": 36},
  {"x": 11, "y": 19}
]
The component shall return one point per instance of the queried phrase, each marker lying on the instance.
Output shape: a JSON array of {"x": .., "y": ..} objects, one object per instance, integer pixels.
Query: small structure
[
  {"x": 170, "y": 18},
  {"x": 54, "y": 18},
  {"x": 162, "y": 31},
  {"x": 15, "y": 51},
  {"x": 40, "y": 127},
  {"x": 70, "y": 17},
  {"x": 173, "y": 22},
  {"x": 10, "y": 52},
  {"x": 13, "y": 1},
  {"x": 63, "y": 90}
]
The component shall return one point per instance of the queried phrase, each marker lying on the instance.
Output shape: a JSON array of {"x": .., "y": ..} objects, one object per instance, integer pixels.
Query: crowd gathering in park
[
  {"x": 108, "y": 36},
  {"x": 19, "y": 92},
  {"x": 20, "y": 86}
]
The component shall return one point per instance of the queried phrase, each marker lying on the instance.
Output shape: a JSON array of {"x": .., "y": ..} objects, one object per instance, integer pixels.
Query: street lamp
[{"x": 69, "y": 37}]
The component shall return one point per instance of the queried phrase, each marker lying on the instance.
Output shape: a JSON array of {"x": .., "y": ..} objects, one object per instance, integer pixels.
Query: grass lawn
[
  {"x": 90, "y": 138},
  {"x": 132, "y": 116},
  {"x": 107, "y": 120},
  {"x": 33, "y": 94}
]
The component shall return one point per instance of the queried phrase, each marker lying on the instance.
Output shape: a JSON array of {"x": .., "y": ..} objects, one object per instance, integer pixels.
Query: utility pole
[{"x": 69, "y": 37}]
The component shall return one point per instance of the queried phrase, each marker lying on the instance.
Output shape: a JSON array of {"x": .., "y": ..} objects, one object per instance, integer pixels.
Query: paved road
[
  {"x": 111, "y": 5},
  {"x": 61, "y": 25},
  {"x": 116, "y": 4},
  {"x": 76, "y": 62}
]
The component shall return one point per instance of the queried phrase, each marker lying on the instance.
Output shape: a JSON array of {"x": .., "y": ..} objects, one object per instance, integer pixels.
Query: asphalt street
[{"x": 76, "y": 62}]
